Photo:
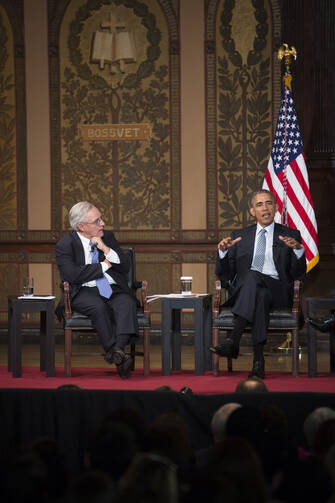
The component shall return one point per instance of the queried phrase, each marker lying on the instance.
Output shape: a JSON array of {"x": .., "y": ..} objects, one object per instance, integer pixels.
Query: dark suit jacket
[
  {"x": 235, "y": 265},
  {"x": 70, "y": 259}
]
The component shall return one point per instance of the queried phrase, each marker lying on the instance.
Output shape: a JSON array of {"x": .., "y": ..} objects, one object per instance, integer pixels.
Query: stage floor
[
  {"x": 92, "y": 372},
  {"x": 275, "y": 359}
]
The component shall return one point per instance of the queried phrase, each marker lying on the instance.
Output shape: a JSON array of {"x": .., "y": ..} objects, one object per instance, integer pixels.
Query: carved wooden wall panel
[
  {"x": 13, "y": 182},
  {"x": 240, "y": 106},
  {"x": 135, "y": 184}
]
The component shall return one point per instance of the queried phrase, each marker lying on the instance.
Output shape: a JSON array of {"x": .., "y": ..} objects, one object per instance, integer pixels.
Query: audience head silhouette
[
  {"x": 252, "y": 384},
  {"x": 219, "y": 420}
]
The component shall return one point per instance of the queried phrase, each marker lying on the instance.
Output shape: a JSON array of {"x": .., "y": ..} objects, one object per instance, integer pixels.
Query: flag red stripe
[
  {"x": 300, "y": 209},
  {"x": 308, "y": 252},
  {"x": 298, "y": 174}
]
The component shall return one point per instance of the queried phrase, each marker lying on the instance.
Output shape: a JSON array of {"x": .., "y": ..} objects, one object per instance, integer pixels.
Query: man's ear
[
  {"x": 79, "y": 227},
  {"x": 252, "y": 211}
]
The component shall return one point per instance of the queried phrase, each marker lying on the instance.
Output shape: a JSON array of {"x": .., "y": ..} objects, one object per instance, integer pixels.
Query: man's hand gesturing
[
  {"x": 227, "y": 243},
  {"x": 98, "y": 242},
  {"x": 291, "y": 242}
]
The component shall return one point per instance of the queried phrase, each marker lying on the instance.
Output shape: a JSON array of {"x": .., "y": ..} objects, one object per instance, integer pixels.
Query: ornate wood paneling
[
  {"x": 13, "y": 176},
  {"x": 135, "y": 184},
  {"x": 239, "y": 82}
]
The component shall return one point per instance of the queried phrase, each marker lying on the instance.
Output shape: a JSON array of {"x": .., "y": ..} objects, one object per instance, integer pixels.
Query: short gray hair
[
  {"x": 78, "y": 212},
  {"x": 313, "y": 422},
  {"x": 260, "y": 191},
  {"x": 220, "y": 418}
]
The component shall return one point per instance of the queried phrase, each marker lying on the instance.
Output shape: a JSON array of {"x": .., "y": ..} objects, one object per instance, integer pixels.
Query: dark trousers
[
  {"x": 257, "y": 295},
  {"x": 114, "y": 319}
]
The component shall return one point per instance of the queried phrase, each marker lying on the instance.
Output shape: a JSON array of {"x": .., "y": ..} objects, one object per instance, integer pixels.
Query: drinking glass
[
  {"x": 28, "y": 287},
  {"x": 186, "y": 285}
]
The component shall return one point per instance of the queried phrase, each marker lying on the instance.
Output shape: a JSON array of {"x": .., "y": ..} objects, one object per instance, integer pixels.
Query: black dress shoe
[
  {"x": 257, "y": 370},
  {"x": 124, "y": 368},
  {"x": 109, "y": 357},
  {"x": 324, "y": 325},
  {"x": 122, "y": 361},
  {"x": 118, "y": 356},
  {"x": 227, "y": 349}
]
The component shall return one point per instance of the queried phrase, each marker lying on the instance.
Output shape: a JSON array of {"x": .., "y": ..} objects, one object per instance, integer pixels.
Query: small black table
[
  {"x": 315, "y": 304},
  {"x": 46, "y": 307},
  {"x": 171, "y": 307}
]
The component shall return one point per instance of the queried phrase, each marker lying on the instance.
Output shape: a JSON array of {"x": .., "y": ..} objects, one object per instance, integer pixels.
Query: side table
[
  {"x": 314, "y": 304},
  {"x": 46, "y": 307},
  {"x": 171, "y": 307}
]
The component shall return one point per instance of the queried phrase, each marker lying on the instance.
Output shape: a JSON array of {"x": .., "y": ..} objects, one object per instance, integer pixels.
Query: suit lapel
[
  {"x": 250, "y": 242},
  {"x": 276, "y": 244},
  {"x": 78, "y": 248}
]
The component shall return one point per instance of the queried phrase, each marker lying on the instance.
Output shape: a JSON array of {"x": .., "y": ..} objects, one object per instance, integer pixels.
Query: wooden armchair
[
  {"x": 280, "y": 320},
  {"x": 76, "y": 322}
]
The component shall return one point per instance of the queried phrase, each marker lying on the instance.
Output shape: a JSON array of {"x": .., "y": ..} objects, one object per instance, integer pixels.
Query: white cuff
[
  {"x": 299, "y": 253},
  {"x": 112, "y": 257},
  {"x": 104, "y": 266},
  {"x": 222, "y": 254}
]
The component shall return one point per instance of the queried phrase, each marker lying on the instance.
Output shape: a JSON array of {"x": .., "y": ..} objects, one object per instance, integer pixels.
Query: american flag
[{"x": 286, "y": 177}]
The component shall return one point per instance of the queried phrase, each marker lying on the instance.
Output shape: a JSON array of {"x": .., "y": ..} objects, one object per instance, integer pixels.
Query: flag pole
[{"x": 286, "y": 54}]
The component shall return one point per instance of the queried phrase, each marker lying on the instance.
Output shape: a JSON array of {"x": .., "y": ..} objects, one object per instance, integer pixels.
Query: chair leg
[
  {"x": 67, "y": 352},
  {"x": 295, "y": 353},
  {"x": 146, "y": 351},
  {"x": 332, "y": 350},
  {"x": 215, "y": 358},
  {"x": 230, "y": 365},
  {"x": 312, "y": 351},
  {"x": 133, "y": 354}
]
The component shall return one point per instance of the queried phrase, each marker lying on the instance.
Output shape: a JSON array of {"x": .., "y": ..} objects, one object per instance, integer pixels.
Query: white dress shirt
[
  {"x": 269, "y": 267},
  {"x": 112, "y": 257}
]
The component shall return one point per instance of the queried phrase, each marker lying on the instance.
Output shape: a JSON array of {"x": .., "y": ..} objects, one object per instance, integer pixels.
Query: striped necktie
[
  {"x": 259, "y": 257},
  {"x": 103, "y": 286}
]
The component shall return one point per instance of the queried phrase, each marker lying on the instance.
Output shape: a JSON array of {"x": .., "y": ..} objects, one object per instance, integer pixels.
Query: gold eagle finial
[{"x": 287, "y": 54}]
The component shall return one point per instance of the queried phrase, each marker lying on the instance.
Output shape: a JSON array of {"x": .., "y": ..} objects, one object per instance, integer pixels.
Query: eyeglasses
[{"x": 95, "y": 222}]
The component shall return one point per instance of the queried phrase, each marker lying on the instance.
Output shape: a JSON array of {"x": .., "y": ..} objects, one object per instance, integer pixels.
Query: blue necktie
[
  {"x": 260, "y": 251},
  {"x": 103, "y": 286}
]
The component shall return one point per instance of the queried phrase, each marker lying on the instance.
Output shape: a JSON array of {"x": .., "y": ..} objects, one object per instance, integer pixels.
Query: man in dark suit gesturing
[
  {"x": 91, "y": 260},
  {"x": 261, "y": 263}
]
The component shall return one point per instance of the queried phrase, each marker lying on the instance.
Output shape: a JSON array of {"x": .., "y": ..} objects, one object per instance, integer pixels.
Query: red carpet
[{"x": 102, "y": 378}]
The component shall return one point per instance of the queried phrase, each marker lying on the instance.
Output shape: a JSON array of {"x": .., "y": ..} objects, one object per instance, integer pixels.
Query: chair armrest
[
  {"x": 67, "y": 304},
  {"x": 144, "y": 299}
]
